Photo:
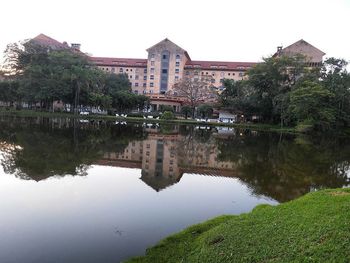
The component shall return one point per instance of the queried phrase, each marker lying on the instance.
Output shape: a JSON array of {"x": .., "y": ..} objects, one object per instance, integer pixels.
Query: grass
[
  {"x": 255, "y": 126},
  {"x": 313, "y": 228}
]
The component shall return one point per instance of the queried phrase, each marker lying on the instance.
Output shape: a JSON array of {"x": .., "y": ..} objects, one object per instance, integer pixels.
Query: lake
[{"x": 98, "y": 191}]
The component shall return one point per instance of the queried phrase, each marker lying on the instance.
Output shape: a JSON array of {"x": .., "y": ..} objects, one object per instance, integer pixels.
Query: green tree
[
  {"x": 205, "y": 110},
  {"x": 311, "y": 103},
  {"x": 186, "y": 111}
]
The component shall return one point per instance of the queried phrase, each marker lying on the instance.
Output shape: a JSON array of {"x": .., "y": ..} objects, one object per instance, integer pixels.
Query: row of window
[
  {"x": 152, "y": 56},
  {"x": 222, "y": 74}
]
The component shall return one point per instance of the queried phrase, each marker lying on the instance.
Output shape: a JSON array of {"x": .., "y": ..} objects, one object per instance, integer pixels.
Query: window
[
  {"x": 177, "y": 56},
  {"x": 221, "y": 80},
  {"x": 187, "y": 73},
  {"x": 152, "y": 70},
  {"x": 131, "y": 69},
  {"x": 222, "y": 74},
  {"x": 121, "y": 70},
  {"x": 164, "y": 71},
  {"x": 196, "y": 73},
  {"x": 177, "y": 63},
  {"x": 144, "y": 77},
  {"x": 136, "y": 91},
  {"x": 144, "y": 92},
  {"x": 136, "y": 77},
  {"x": 144, "y": 85},
  {"x": 145, "y": 70},
  {"x": 164, "y": 56},
  {"x": 212, "y": 80},
  {"x": 113, "y": 69},
  {"x": 152, "y": 56},
  {"x": 176, "y": 78},
  {"x": 127, "y": 69},
  {"x": 136, "y": 84},
  {"x": 151, "y": 84},
  {"x": 241, "y": 74},
  {"x": 152, "y": 63},
  {"x": 151, "y": 91},
  {"x": 151, "y": 77},
  {"x": 177, "y": 70}
]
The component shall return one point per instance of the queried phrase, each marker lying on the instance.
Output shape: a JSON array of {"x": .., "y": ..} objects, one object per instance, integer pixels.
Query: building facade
[{"x": 165, "y": 65}]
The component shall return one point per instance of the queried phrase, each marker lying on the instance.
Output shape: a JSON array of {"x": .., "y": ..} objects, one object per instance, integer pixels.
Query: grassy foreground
[{"x": 313, "y": 228}]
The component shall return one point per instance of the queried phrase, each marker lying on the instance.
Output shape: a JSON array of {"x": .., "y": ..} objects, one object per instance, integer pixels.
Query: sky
[{"x": 220, "y": 30}]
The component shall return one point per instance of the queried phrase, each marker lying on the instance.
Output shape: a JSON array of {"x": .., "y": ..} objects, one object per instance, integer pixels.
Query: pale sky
[{"x": 223, "y": 30}]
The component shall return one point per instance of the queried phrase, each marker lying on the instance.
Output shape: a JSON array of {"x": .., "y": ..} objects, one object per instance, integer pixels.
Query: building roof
[
  {"x": 129, "y": 62},
  {"x": 167, "y": 41},
  {"x": 219, "y": 65},
  {"x": 300, "y": 47},
  {"x": 44, "y": 40}
]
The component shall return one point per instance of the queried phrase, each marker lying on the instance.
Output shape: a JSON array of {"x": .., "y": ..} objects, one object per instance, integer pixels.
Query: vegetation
[
  {"x": 284, "y": 90},
  {"x": 205, "y": 111},
  {"x": 195, "y": 91},
  {"x": 41, "y": 76},
  {"x": 168, "y": 115},
  {"x": 186, "y": 111},
  {"x": 311, "y": 228}
]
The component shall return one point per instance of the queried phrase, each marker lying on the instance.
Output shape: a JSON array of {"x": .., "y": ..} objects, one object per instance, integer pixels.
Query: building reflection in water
[{"x": 164, "y": 157}]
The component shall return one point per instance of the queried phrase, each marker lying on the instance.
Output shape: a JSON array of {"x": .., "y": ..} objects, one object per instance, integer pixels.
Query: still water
[{"x": 89, "y": 191}]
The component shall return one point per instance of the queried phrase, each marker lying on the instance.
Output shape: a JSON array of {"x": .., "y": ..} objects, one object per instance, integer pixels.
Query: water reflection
[
  {"x": 282, "y": 167},
  {"x": 97, "y": 191}
]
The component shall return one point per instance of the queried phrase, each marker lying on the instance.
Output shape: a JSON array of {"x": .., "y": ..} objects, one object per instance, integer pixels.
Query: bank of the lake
[
  {"x": 254, "y": 126},
  {"x": 313, "y": 228}
]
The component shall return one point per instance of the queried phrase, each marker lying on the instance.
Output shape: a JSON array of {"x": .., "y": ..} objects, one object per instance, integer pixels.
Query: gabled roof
[
  {"x": 44, "y": 40},
  {"x": 167, "y": 41},
  {"x": 299, "y": 47}
]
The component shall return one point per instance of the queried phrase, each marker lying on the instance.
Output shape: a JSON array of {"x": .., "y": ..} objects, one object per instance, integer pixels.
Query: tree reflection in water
[{"x": 279, "y": 166}]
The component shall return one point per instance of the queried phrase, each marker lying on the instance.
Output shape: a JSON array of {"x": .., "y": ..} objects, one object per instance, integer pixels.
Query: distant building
[
  {"x": 167, "y": 63},
  {"x": 313, "y": 55}
]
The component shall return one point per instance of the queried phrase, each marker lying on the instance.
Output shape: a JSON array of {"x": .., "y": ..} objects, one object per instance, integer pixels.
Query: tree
[
  {"x": 195, "y": 91},
  {"x": 336, "y": 79},
  {"x": 311, "y": 103},
  {"x": 205, "y": 110},
  {"x": 270, "y": 80},
  {"x": 186, "y": 110}
]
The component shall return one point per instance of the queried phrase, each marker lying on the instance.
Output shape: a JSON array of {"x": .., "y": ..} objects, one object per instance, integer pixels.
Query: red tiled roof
[
  {"x": 129, "y": 62},
  {"x": 48, "y": 41},
  {"x": 219, "y": 65}
]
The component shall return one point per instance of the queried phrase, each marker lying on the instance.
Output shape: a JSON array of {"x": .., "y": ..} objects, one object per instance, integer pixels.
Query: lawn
[{"x": 313, "y": 228}]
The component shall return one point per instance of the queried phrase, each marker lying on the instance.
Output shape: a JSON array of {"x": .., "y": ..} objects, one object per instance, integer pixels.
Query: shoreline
[
  {"x": 258, "y": 127},
  {"x": 310, "y": 228}
]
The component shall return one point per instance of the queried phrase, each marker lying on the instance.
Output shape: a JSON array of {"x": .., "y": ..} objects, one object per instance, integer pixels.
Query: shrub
[{"x": 168, "y": 115}]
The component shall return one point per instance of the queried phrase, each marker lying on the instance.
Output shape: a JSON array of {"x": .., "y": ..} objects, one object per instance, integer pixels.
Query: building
[
  {"x": 166, "y": 64},
  {"x": 313, "y": 55}
]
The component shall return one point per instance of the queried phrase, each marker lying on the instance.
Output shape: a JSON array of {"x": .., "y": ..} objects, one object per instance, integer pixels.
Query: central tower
[{"x": 165, "y": 66}]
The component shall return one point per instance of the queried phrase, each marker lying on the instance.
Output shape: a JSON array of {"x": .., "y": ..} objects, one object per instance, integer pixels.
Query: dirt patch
[{"x": 339, "y": 193}]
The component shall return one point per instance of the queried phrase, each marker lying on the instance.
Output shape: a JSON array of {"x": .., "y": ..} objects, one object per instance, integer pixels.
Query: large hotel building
[{"x": 167, "y": 64}]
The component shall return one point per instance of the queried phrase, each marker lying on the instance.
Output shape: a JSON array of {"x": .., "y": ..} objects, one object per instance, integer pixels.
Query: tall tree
[{"x": 194, "y": 91}]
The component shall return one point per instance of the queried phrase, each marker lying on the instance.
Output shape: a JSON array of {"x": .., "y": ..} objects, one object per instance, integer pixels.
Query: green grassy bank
[
  {"x": 254, "y": 126},
  {"x": 313, "y": 228}
]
